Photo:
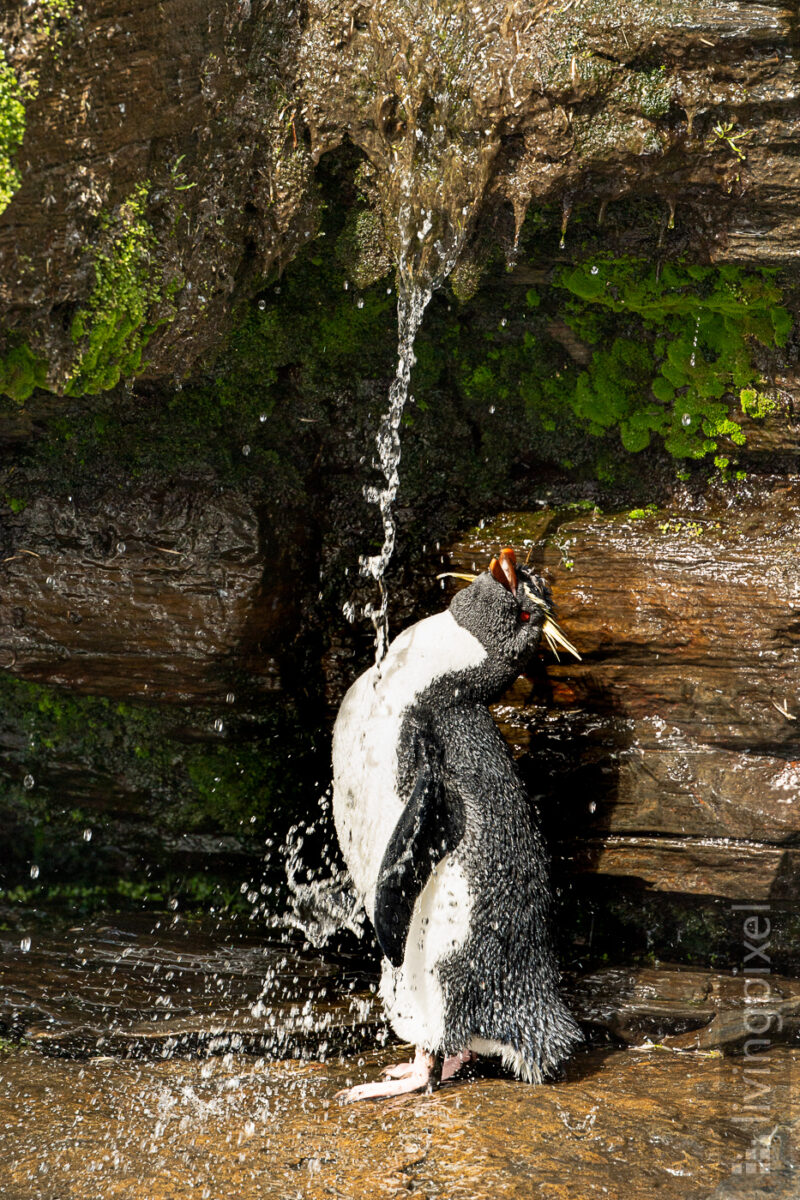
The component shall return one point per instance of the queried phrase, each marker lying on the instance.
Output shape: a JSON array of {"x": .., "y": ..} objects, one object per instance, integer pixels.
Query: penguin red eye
[{"x": 523, "y": 616}]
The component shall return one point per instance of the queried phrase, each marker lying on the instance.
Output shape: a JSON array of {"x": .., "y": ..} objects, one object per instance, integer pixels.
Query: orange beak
[{"x": 504, "y": 569}]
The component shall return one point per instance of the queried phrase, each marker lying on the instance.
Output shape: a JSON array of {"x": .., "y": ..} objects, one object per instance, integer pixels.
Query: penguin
[{"x": 442, "y": 842}]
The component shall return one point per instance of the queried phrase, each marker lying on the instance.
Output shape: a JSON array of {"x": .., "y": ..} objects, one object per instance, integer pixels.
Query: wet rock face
[
  {"x": 155, "y": 593},
  {"x": 669, "y": 755},
  {"x": 187, "y": 102},
  {"x": 168, "y": 159}
]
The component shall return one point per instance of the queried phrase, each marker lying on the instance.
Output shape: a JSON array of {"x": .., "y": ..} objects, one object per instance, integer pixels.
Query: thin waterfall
[
  {"x": 413, "y": 296},
  {"x": 411, "y": 304}
]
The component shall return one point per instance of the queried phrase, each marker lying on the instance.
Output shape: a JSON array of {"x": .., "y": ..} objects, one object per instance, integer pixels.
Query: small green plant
[
  {"x": 672, "y": 346},
  {"x": 725, "y": 133}
]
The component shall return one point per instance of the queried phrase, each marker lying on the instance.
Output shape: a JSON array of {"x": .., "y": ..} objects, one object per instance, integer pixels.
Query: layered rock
[
  {"x": 157, "y": 593},
  {"x": 669, "y": 754}
]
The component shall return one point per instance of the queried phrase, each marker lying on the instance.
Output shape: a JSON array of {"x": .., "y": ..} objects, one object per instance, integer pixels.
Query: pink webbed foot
[{"x": 403, "y": 1078}]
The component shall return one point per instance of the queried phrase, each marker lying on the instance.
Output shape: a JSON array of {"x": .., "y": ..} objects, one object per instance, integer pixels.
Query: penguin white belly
[
  {"x": 412, "y": 993},
  {"x": 366, "y": 800}
]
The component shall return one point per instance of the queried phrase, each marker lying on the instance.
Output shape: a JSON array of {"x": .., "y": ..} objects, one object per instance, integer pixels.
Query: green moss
[
  {"x": 114, "y": 327},
  {"x": 21, "y": 371},
  {"x": 46, "y": 19},
  {"x": 646, "y": 92},
  {"x": 12, "y": 129},
  {"x": 756, "y": 404},
  {"x": 192, "y": 894},
  {"x": 361, "y": 247},
  {"x": 606, "y": 133},
  {"x": 51, "y": 15}
]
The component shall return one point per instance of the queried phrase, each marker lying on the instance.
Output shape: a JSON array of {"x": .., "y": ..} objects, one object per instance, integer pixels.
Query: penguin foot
[
  {"x": 415, "y": 1076},
  {"x": 402, "y": 1078},
  {"x": 454, "y": 1062}
]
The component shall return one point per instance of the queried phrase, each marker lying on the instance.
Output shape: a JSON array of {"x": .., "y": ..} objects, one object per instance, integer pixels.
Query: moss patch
[
  {"x": 672, "y": 344},
  {"x": 21, "y": 371},
  {"x": 118, "y": 320},
  {"x": 12, "y": 129},
  {"x": 44, "y": 19}
]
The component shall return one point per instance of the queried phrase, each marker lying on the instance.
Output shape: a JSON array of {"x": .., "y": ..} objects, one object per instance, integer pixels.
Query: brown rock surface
[
  {"x": 619, "y": 1124},
  {"x": 672, "y": 749},
  {"x": 153, "y": 592},
  {"x": 143, "y": 987},
  {"x": 186, "y": 98}
]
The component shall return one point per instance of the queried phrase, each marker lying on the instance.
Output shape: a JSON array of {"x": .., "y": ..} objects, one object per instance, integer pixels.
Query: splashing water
[{"x": 319, "y": 908}]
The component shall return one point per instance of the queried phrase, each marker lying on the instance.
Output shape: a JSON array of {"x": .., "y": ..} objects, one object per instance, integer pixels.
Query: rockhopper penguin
[{"x": 442, "y": 843}]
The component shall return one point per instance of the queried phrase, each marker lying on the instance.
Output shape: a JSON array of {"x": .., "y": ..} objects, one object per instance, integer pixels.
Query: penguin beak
[{"x": 504, "y": 569}]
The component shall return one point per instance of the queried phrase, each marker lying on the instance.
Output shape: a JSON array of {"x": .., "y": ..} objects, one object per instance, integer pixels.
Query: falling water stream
[
  {"x": 415, "y": 286},
  {"x": 412, "y": 300}
]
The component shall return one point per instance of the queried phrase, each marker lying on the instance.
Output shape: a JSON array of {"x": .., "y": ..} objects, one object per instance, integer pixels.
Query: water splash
[{"x": 320, "y": 908}]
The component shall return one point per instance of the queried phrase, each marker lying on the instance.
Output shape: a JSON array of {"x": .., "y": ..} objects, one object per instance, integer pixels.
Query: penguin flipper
[{"x": 425, "y": 832}]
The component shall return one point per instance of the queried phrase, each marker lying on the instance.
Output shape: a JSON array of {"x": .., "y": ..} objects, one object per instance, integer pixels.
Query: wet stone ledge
[{"x": 146, "y": 988}]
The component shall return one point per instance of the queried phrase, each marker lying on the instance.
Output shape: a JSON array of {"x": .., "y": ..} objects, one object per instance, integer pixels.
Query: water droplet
[
  {"x": 492, "y": 409},
  {"x": 120, "y": 547},
  {"x": 686, "y": 419},
  {"x": 28, "y": 782},
  {"x": 229, "y": 699},
  {"x": 262, "y": 418},
  {"x": 360, "y": 302},
  {"x": 595, "y": 271},
  {"x": 592, "y": 806},
  {"x": 503, "y": 323},
  {"x": 34, "y": 872},
  {"x": 262, "y": 304},
  {"x": 25, "y": 945},
  {"x": 87, "y": 835},
  {"x": 245, "y": 450},
  {"x": 49, "y": 581},
  {"x": 219, "y": 725}
]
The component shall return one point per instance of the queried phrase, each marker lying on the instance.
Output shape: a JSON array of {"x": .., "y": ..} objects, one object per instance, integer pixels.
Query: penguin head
[{"x": 508, "y": 608}]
